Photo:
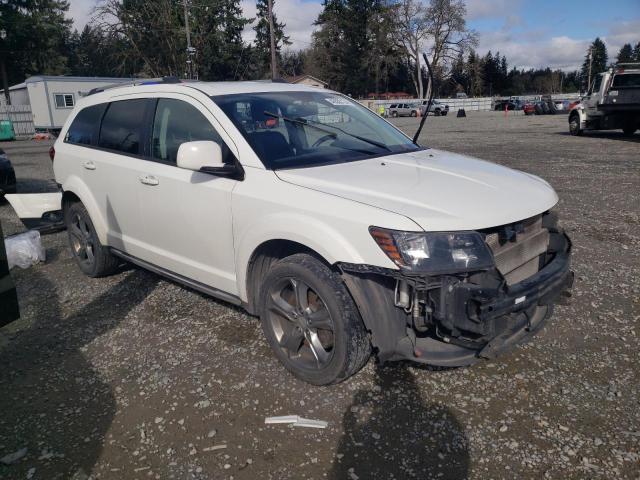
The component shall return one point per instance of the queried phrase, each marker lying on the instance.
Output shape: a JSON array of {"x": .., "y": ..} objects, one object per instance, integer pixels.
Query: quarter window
[
  {"x": 122, "y": 126},
  {"x": 64, "y": 100},
  {"x": 85, "y": 127},
  {"x": 177, "y": 122}
]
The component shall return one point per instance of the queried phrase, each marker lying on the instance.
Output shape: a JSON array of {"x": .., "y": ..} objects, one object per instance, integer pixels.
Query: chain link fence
[{"x": 21, "y": 117}]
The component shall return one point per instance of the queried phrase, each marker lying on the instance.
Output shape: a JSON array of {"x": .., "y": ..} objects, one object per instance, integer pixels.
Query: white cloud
[
  {"x": 556, "y": 52},
  {"x": 535, "y": 49},
  {"x": 80, "y": 12}
]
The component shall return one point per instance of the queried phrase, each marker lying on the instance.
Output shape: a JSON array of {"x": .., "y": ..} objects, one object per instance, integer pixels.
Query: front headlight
[{"x": 434, "y": 252}]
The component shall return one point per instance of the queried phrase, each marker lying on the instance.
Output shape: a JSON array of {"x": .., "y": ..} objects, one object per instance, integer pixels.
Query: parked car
[
  {"x": 517, "y": 104},
  {"x": 437, "y": 108},
  {"x": 461, "y": 95},
  {"x": 7, "y": 175},
  {"x": 403, "y": 110},
  {"x": 315, "y": 214}
]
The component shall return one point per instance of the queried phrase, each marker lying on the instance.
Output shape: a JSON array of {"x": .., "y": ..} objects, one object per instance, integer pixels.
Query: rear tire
[
  {"x": 413, "y": 113},
  {"x": 93, "y": 258},
  {"x": 394, "y": 114},
  {"x": 628, "y": 131},
  {"x": 297, "y": 293},
  {"x": 437, "y": 112}
]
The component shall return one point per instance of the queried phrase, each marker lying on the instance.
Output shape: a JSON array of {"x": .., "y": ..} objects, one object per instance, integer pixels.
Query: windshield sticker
[{"x": 338, "y": 101}]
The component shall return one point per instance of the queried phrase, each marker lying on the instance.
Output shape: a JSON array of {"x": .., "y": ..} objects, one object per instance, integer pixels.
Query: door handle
[
  {"x": 148, "y": 180},
  {"x": 89, "y": 165}
]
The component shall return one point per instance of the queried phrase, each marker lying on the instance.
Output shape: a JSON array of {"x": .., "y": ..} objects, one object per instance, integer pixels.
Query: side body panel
[{"x": 267, "y": 208}]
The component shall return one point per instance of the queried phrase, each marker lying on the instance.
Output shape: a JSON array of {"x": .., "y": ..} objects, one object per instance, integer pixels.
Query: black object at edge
[
  {"x": 9, "y": 310},
  {"x": 426, "y": 112}
]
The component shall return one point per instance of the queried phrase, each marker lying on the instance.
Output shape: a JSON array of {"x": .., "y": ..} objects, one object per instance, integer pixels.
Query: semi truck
[{"x": 612, "y": 102}]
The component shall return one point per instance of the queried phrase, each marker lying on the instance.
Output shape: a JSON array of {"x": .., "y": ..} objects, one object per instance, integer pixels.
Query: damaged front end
[{"x": 454, "y": 318}]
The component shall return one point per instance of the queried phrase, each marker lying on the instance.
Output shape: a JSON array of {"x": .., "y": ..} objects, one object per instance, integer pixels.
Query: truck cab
[{"x": 612, "y": 102}]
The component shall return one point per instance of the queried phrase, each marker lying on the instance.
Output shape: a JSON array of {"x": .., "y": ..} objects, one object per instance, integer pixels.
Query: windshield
[
  {"x": 303, "y": 129},
  {"x": 629, "y": 80}
]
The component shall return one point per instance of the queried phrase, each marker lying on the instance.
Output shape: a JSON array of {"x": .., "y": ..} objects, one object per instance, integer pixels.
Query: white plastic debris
[
  {"x": 24, "y": 249},
  {"x": 296, "y": 421}
]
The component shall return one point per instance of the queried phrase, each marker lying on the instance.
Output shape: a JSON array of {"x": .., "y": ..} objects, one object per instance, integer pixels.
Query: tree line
[{"x": 359, "y": 47}]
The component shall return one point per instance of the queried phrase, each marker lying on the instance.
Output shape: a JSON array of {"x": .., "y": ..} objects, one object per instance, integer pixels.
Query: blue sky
[{"x": 531, "y": 33}]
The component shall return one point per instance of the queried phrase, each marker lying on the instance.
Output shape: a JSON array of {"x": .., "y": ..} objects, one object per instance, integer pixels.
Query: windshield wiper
[
  {"x": 316, "y": 125},
  {"x": 300, "y": 121},
  {"x": 357, "y": 137}
]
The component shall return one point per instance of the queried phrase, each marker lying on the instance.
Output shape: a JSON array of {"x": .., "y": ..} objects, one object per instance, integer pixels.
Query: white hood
[{"x": 437, "y": 190}]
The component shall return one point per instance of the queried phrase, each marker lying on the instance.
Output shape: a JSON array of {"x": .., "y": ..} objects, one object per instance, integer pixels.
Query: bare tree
[
  {"x": 412, "y": 30},
  {"x": 439, "y": 28}
]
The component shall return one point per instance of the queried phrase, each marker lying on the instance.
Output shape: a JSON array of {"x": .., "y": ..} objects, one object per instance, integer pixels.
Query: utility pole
[
  {"x": 274, "y": 66},
  {"x": 590, "y": 63},
  {"x": 190, "y": 50},
  {"x": 3, "y": 68}
]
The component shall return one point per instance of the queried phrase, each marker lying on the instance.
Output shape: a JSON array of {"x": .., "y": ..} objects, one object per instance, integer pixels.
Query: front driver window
[{"x": 177, "y": 122}]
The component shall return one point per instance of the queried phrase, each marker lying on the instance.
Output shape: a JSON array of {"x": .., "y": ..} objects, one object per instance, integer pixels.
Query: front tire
[
  {"x": 628, "y": 131},
  {"x": 311, "y": 322},
  {"x": 93, "y": 258},
  {"x": 574, "y": 126}
]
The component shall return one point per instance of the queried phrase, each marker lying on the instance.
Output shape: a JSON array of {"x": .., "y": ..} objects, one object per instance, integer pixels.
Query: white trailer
[{"x": 52, "y": 98}]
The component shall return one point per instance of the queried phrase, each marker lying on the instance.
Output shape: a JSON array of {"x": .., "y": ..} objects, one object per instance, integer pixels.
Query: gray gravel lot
[{"x": 133, "y": 376}]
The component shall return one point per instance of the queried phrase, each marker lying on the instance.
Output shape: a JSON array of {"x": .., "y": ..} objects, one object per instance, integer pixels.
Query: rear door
[
  {"x": 112, "y": 171},
  {"x": 9, "y": 310},
  {"x": 187, "y": 215}
]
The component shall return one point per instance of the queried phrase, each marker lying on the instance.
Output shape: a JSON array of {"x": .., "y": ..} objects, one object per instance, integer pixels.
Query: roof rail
[{"x": 142, "y": 81}]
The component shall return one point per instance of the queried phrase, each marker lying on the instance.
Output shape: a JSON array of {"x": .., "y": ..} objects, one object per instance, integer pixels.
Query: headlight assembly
[{"x": 434, "y": 252}]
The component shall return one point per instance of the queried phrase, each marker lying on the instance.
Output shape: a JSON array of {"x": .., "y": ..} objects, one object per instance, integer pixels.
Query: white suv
[{"x": 316, "y": 215}]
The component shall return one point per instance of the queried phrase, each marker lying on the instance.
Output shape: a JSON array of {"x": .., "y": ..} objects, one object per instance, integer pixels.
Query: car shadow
[
  {"x": 391, "y": 432},
  {"x": 53, "y": 401},
  {"x": 609, "y": 134}
]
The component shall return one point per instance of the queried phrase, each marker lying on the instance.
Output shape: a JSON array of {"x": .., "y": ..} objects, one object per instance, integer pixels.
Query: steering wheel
[{"x": 321, "y": 140}]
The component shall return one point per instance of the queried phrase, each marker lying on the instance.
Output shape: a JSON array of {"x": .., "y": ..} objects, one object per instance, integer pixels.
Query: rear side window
[
  {"x": 85, "y": 127},
  {"x": 177, "y": 122},
  {"x": 122, "y": 126}
]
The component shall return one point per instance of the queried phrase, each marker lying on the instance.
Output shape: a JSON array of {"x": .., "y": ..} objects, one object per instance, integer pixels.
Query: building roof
[
  {"x": 18, "y": 86},
  {"x": 300, "y": 78}
]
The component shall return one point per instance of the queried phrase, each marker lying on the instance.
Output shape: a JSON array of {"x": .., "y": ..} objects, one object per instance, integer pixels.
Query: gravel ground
[{"x": 133, "y": 376}]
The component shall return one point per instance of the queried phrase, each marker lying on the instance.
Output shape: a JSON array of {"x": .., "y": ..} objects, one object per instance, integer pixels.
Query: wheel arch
[
  {"x": 265, "y": 255},
  {"x": 75, "y": 190}
]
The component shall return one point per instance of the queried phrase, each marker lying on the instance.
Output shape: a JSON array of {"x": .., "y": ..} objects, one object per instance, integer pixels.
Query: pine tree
[
  {"x": 625, "y": 54},
  {"x": 35, "y": 35},
  {"x": 636, "y": 52},
  {"x": 598, "y": 62},
  {"x": 262, "y": 43}
]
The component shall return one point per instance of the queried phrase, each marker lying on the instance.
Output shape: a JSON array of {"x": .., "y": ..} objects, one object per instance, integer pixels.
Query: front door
[{"x": 186, "y": 214}]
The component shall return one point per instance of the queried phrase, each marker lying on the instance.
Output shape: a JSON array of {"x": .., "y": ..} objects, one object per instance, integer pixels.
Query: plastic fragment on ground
[
  {"x": 24, "y": 249},
  {"x": 296, "y": 421}
]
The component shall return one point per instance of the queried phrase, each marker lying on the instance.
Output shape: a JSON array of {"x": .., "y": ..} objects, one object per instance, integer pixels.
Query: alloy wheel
[
  {"x": 301, "y": 323},
  {"x": 82, "y": 241}
]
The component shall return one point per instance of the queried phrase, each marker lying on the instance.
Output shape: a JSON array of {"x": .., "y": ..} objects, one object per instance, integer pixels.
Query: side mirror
[
  {"x": 206, "y": 156},
  {"x": 195, "y": 155}
]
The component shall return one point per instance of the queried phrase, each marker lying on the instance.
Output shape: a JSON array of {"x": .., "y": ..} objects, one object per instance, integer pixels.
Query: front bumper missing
[{"x": 499, "y": 316}]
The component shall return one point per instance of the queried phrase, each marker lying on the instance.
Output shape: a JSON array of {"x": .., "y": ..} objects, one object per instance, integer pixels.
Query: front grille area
[{"x": 517, "y": 248}]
